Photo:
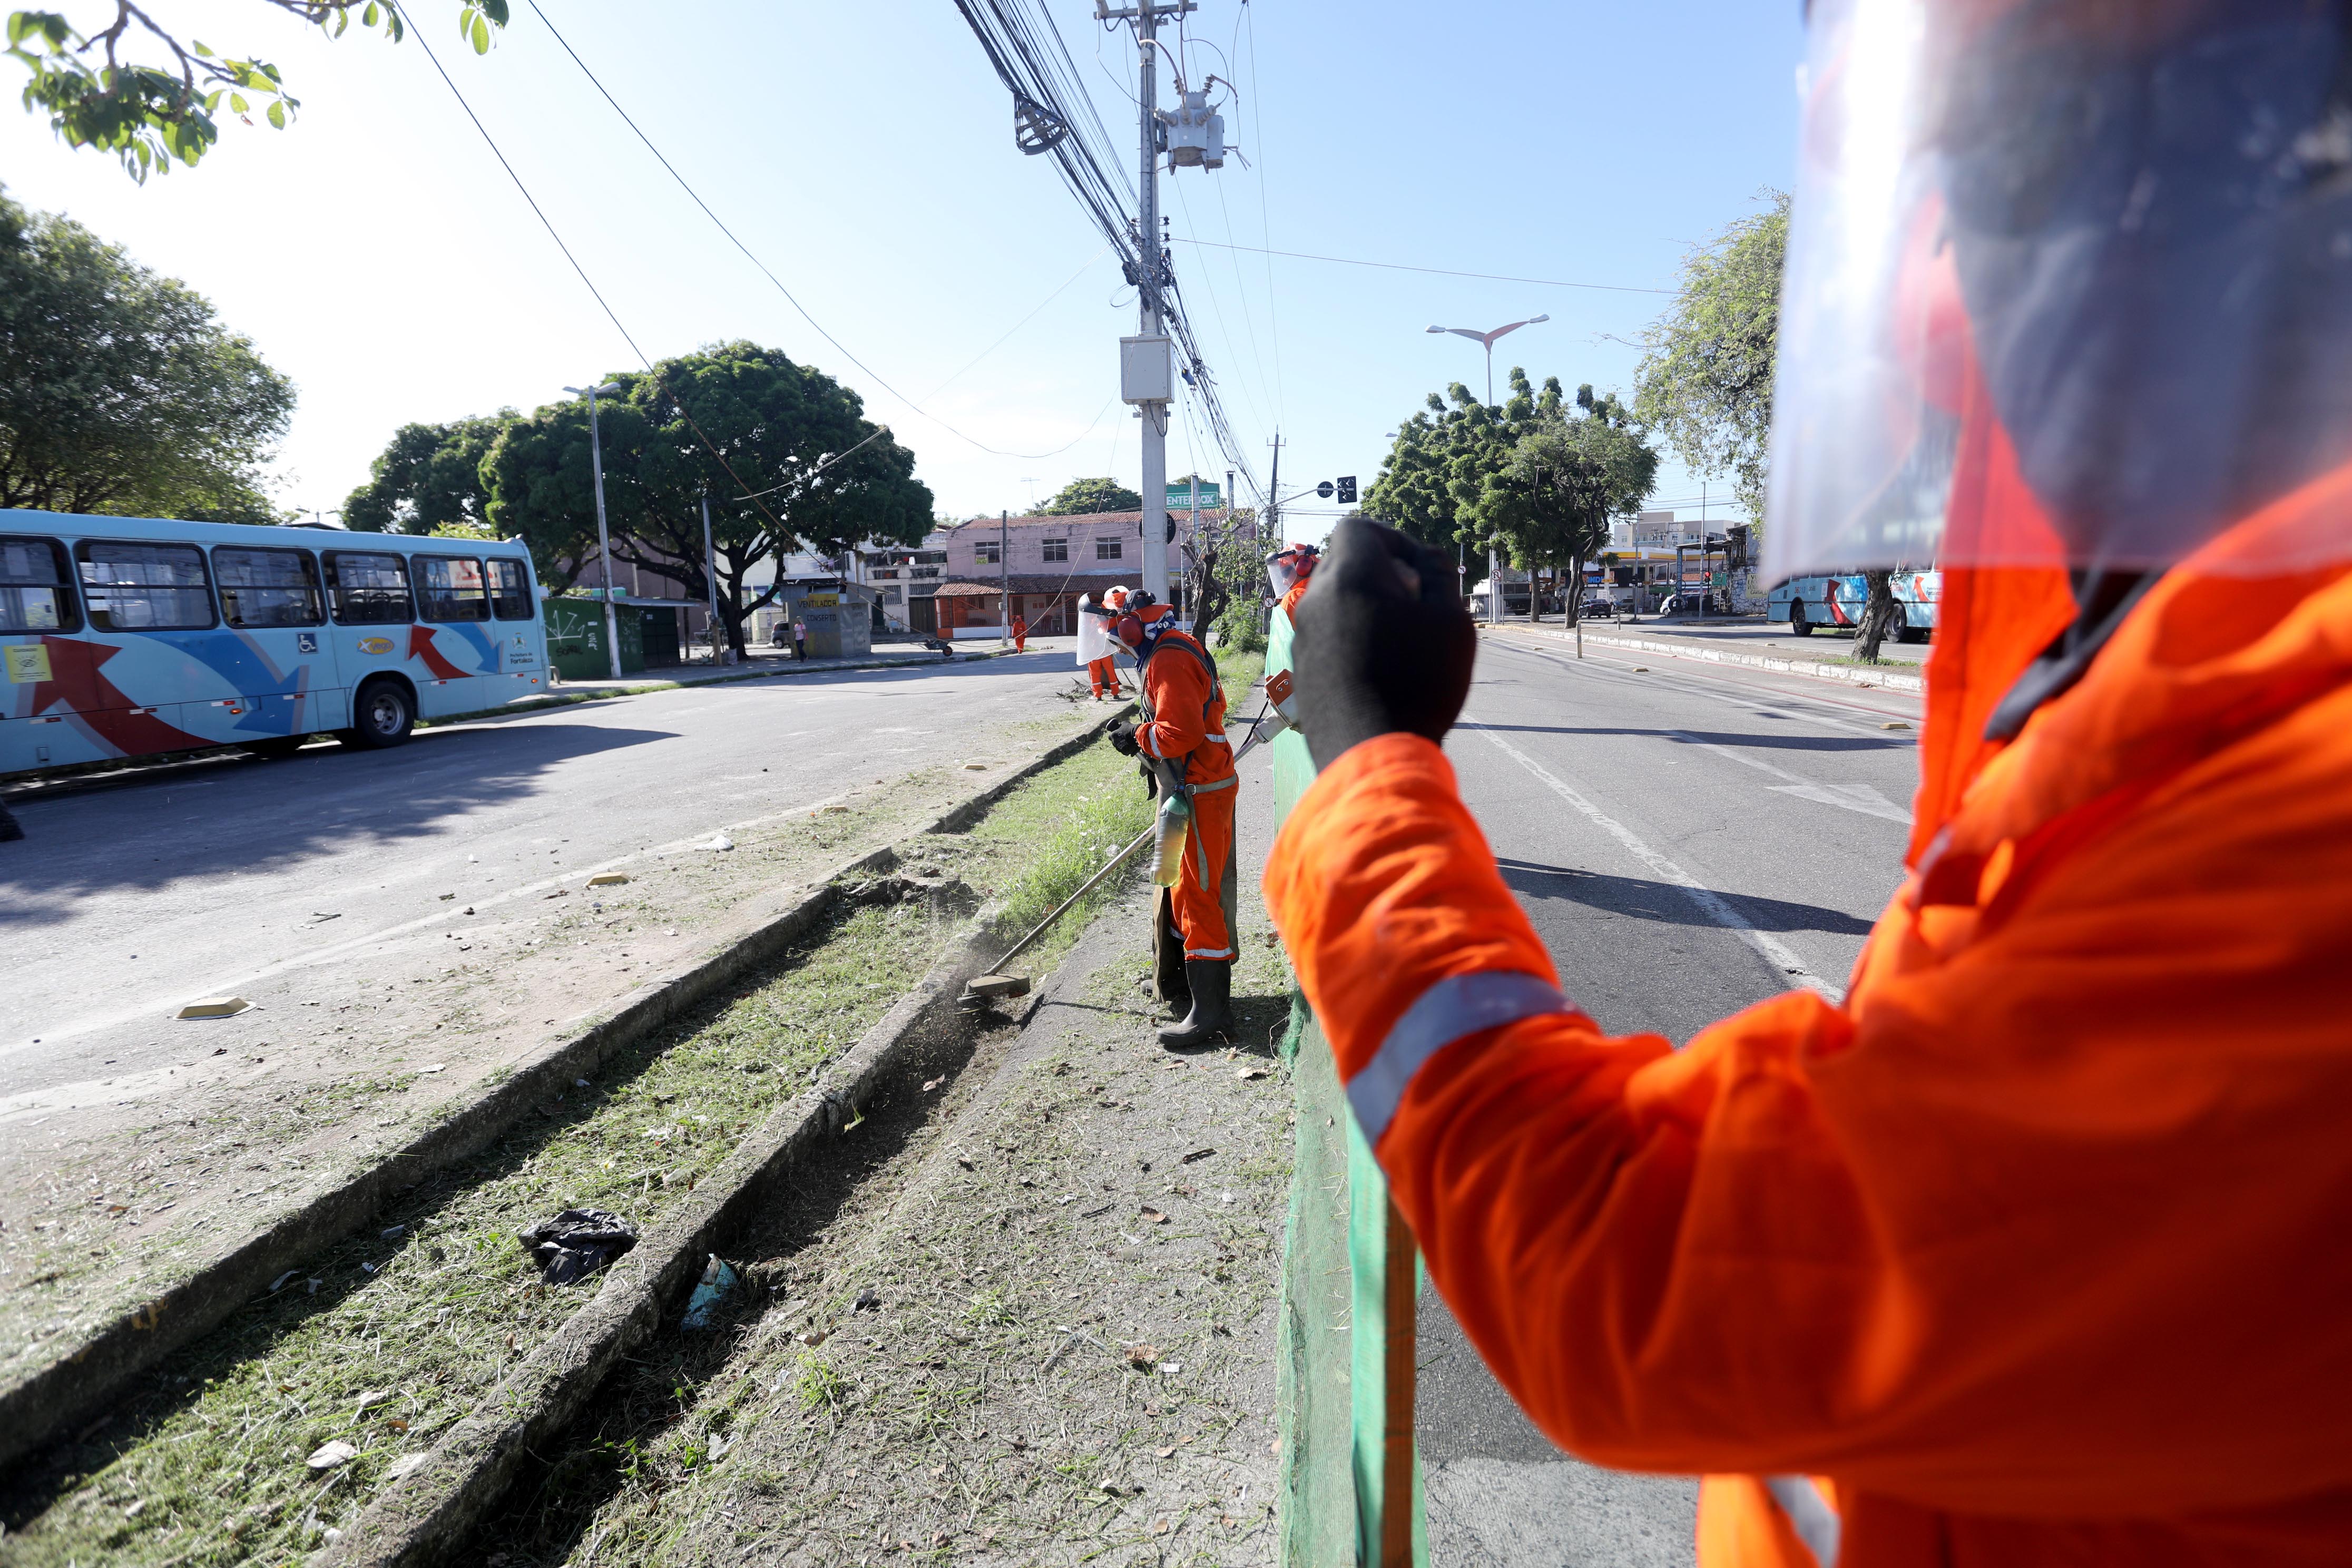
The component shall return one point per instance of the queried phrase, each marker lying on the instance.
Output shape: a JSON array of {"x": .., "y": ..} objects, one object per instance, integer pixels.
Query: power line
[
  {"x": 781, "y": 530},
  {"x": 814, "y": 324},
  {"x": 1437, "y": 271}
]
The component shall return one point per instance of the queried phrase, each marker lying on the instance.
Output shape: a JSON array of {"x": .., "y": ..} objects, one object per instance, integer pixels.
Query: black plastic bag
[{"x": 576, "y": 1243}]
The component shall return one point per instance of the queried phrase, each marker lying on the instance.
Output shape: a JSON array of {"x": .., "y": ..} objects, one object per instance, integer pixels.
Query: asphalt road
[
  {"x": 121, "y": 905},
  {"x": 1687, "y": 841}
]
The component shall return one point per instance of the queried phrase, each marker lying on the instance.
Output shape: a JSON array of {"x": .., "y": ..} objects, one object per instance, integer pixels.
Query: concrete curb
[
  {"x": 85, "y": 1379},
  {"x": 1883, "y": 677},
  {"x": 425, "y": 1515}
]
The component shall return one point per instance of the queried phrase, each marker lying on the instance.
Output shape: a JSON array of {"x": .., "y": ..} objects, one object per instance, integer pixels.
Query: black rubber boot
[
  {"x": 9, "y": 831},
  {"x": 1169, "y": 981},
  {"x": 1211, "y": 1018}
]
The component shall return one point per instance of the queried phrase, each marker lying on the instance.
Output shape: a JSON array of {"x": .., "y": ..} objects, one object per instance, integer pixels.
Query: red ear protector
[{"x": 1142, "y": 611}]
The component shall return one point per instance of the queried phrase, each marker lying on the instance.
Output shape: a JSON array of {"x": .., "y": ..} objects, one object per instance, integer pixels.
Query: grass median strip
[{"x": 392, "y": 1337}]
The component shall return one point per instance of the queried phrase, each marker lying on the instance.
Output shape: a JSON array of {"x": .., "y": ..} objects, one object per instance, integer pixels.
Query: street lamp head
[
  {"x": 1438, "y": 329},
  {"x": 606, "y": 390},
  {"x": 1533, "y": 319}
]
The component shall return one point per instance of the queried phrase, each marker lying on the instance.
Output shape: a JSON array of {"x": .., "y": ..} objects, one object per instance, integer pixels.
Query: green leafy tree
[
  {"x": 1704, "y": 382},
  {"x": 151, "y": 112},
  {"x": 1082, "y": 496},
  {"x": 120, "y": 392},
  {"x": 429, "y": 479},
  {"x": 1568, "y": 476},
  {"x": 719, "y": 423}
]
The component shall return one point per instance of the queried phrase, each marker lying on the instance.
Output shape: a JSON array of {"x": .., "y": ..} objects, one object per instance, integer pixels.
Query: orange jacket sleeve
[
  {"x": 1178, "y": 690},
  {"x": 2052, "y": 1225}
]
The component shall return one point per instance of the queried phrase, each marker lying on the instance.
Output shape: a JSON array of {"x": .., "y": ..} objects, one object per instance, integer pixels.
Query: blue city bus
[
  {"x": 1837, "y": 601},
  {"x": 128, "y": 636}
]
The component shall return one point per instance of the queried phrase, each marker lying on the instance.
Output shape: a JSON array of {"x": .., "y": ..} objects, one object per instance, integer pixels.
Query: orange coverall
[
  {"x": 1020, "y": 635},
  {"x": 1104, "y": 673},
  {"x": 2031, "y": 1252},
  {"x": 1184, "y": 716}
]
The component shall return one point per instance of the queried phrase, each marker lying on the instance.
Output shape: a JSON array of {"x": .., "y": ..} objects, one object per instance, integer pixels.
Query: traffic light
[{"x": 1347, "y": 490}]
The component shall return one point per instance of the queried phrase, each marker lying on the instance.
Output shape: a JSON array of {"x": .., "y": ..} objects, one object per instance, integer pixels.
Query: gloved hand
[
  {"x": 1381, "y": 642},
  {"x": 1122, "y": 738}
]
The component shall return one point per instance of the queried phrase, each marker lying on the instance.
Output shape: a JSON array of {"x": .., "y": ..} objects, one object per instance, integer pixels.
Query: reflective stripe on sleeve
[
  {"x": 1208, "y": 953},
  {"x": 1144, "y": 735},
  {"x": 1815, "y": 1523},
  {"x": 1447, "y": 1012}
]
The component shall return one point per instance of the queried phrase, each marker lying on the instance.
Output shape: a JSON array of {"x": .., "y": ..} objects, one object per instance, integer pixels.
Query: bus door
[
  {"x": 456, "y": 643},
  {"x": 514, "y": 604},
  {"x": 50, "y": 671},
  {"x": 143, "y": 684},
  {"x": 273, "y": 652},
  {"x": 371, "y": 611}
]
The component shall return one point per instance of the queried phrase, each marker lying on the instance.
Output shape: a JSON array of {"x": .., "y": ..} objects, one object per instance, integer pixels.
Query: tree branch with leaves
[{"x": 150, "y": 113}]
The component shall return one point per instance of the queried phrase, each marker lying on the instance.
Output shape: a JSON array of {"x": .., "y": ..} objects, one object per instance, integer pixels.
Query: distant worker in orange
[
  {"x": 1095, "y": 646},
  {"x": 1020, "y": 632},
  {"x": 1180, "y": 732},
  {"x": 2028, "y": 1250}
]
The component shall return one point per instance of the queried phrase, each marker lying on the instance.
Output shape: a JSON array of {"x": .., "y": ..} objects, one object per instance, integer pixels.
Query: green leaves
[
  {"x": 149, "y": 116},
  {"x": 1705, "y": 378}
]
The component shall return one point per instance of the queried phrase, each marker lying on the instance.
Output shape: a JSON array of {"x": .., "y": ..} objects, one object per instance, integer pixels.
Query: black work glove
[
  {"x": 1381, "y": 642},
  {"x": 1122, "y": 738}
]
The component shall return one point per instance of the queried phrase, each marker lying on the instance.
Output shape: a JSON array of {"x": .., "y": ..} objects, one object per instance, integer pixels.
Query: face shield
[
  {"x": 2069, "y": 282},
  {"x": 1286, "y": 568}
]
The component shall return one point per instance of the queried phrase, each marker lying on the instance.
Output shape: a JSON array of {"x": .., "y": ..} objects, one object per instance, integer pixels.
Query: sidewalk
[{"x": 758, "y": 663}]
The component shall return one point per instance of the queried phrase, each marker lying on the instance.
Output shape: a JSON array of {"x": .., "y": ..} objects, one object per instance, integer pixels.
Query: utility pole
[
  {"x": 1274, "y": 497},
  {"x": 603, "y": 542},
  {"x": 711, "y": 577},
  {"x": 1003, "y": 578},
  {"x": 1151, "y": 324}
]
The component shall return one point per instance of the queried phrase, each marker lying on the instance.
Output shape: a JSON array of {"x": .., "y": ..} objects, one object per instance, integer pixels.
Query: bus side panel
[
  {"x": 360, "y": 651},
  {"x": 85, "y": 698},
  {"x": 526, "y": 663},
  {"x": 261, "y": 683},
  {"x": 455, "y": 667}
]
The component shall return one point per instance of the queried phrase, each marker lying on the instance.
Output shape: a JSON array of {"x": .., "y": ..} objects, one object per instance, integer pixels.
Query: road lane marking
[
  {"x": 1712, "y": 904},
  {"x": 1696, "y": 684},
  {"x": 1858, "y": 798}
]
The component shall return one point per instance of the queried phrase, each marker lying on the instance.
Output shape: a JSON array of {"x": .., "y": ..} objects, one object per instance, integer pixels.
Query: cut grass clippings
[{"x": 393, "y": 1336}]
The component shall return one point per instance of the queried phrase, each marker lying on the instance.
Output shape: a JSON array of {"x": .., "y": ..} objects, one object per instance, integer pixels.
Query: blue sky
[{"x": 378, "y": 255}]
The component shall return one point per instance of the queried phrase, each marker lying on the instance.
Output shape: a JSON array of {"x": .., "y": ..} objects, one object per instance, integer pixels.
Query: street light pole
[
  {"x": 1494, "y": 566},
  {"x": 604, "y": 540}
]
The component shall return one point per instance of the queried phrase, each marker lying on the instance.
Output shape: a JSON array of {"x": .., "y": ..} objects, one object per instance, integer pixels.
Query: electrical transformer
[{"x": 1195, "y": 133}]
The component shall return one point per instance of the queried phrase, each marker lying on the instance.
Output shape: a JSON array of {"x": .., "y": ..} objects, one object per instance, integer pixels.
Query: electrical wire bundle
[{"x": 1054, "y": 114}]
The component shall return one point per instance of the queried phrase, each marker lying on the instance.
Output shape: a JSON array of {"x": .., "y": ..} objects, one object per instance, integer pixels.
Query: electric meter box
[{"x": 1146, "y": 371}]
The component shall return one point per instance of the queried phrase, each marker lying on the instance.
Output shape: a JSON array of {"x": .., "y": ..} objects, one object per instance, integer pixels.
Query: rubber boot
[
  {"x": 1169, "y": 981},
  {"x": 1211, "y": 1018},
  {"x": 9, "y": 831}
]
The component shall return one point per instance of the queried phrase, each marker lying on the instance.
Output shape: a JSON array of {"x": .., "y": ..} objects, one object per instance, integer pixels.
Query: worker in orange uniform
[
  {"x": 1179, "y": 730},
  {"x": 2028, "y": 1250},
  {"x": 1289, "y": 570},
  {"x": 1020, "y": 634},
  {"x": 1094, "y": 650}
]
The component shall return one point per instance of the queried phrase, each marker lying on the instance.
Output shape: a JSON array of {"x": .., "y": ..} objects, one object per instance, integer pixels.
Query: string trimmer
[{"x": 1279, "y": 715}]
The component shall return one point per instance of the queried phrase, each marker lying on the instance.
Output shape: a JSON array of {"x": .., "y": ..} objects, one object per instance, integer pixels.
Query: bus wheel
[
  {"x": 1797, "y": 622},
  {"x": 384, "y": 712},
  {"x": 276, "y": 746}
]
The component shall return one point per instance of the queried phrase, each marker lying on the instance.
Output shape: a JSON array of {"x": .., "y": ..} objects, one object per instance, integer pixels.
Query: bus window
[
  {"x": 267, "y": 587},
  {"x": 368, "y": 590},
  {"x": 450, "y": 588},
  {"x": 510, "y": 593},
  {"x": 144, "y": 588},
  {"x": 35, "y": 591}
]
